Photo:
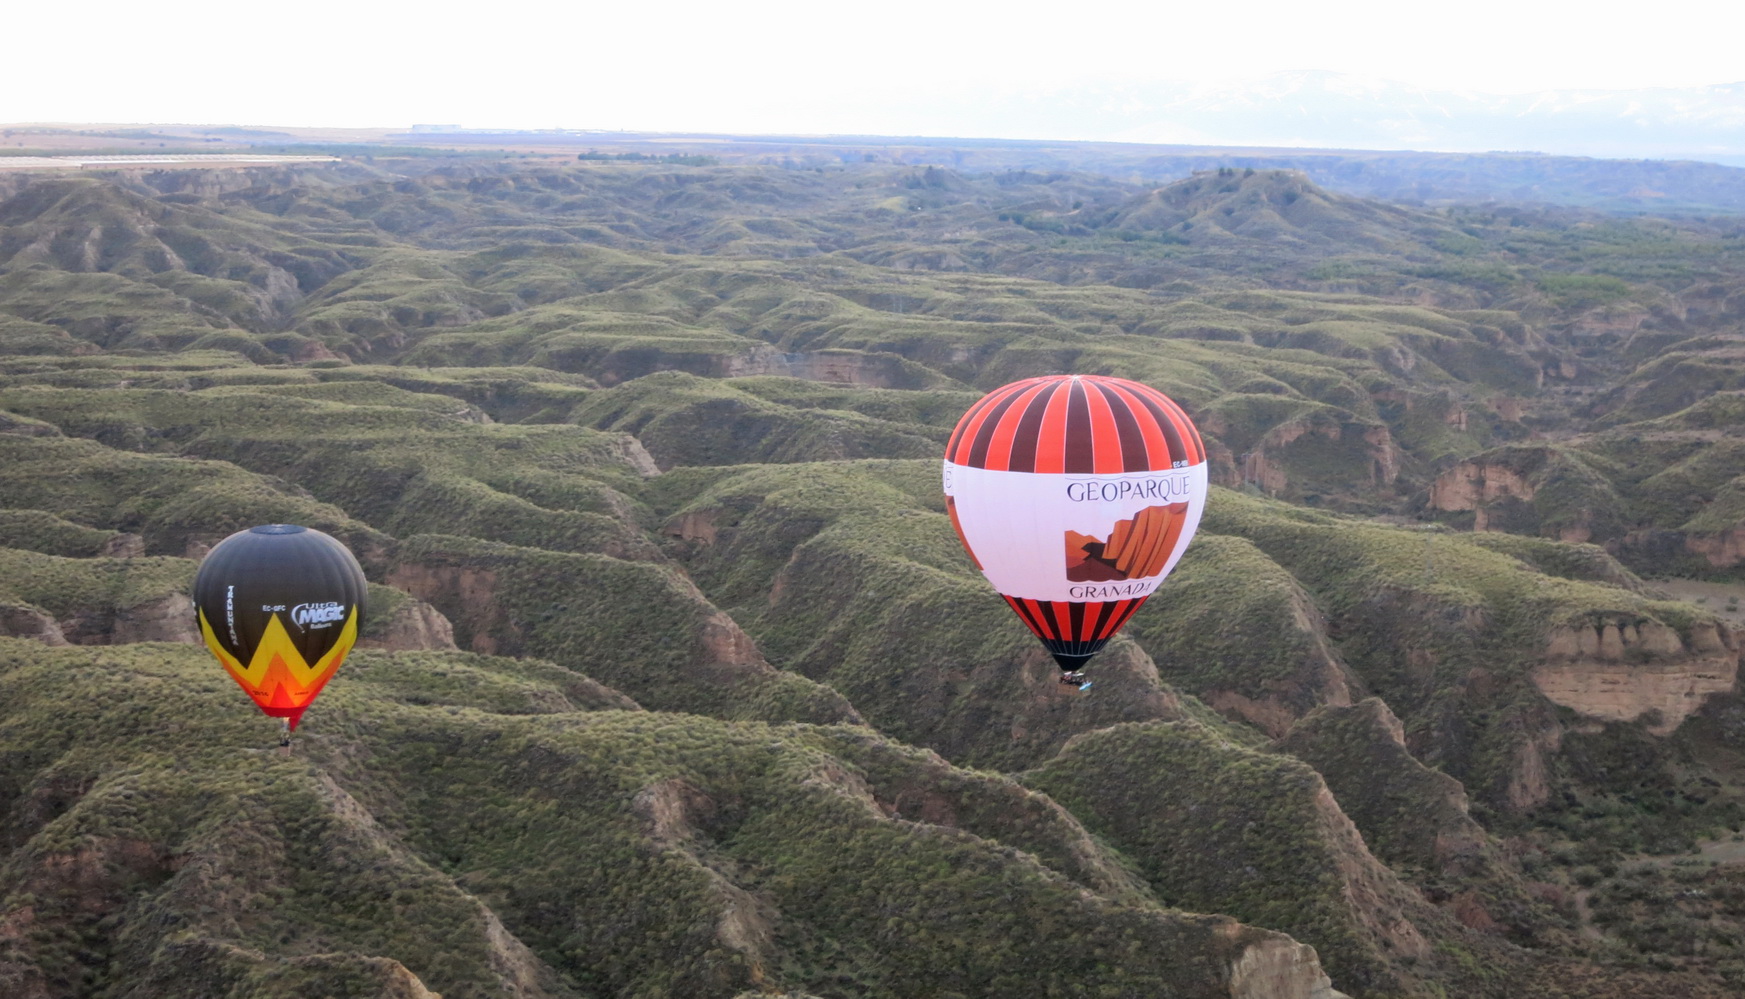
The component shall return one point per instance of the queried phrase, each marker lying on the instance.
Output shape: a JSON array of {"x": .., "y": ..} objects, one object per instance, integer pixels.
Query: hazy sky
[{"x": 889, "y": 66}]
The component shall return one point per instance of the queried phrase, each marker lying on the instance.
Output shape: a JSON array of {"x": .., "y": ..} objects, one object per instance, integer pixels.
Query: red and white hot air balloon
[{"x": 1075, "y": 495}]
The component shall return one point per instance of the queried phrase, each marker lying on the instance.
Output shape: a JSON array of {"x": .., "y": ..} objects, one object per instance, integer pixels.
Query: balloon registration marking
[{"x": 276, "y": 676}]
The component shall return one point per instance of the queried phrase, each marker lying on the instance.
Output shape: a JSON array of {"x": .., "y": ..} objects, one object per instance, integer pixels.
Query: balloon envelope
[
  {"x": 1075, "y": 495},
  {"x": 280, "y": 606}
]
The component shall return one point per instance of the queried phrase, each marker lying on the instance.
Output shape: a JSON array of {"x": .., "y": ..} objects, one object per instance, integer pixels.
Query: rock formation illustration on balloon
[{"x": 1137, "y": 547}]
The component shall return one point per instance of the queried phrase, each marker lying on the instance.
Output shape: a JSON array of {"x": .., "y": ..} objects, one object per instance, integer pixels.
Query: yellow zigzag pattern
[{"x": 276, "y": 675}]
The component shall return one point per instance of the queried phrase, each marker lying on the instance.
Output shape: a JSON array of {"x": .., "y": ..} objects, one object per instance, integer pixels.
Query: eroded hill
[{"x": 680, "y": 683}]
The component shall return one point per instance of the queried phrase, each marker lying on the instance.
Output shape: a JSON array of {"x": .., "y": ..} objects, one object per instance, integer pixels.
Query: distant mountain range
[
  {"x": 1315, "y": 109},
  {"x": 1334, "y": 110}
]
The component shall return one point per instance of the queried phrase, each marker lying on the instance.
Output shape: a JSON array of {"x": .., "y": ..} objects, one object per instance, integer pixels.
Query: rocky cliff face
[
  {"x": 833, "y": 366},
  {"x": 1625, "y": 671},
  {"x": 1723, "y": 550},
  {"x": 1304, "y": 455},
  {"x": 1471, "y": 485},
  {"x": 469, "y": 596},
  {"x": 1280, "y": 969},
  {"x": 169, "y": 618},
  {"x": 25, "y": 621},
  {"x": 411, "y": 626},
  {"x": 844, "y": 367},
  {"x": 1505, "y": 494},
  {"x": 1690, "y": 552}
]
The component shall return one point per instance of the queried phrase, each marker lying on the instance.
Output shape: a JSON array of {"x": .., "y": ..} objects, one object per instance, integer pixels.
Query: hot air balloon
[
  {"x": 1075, "y": 495},
  {"x": 280, "y": 606}
]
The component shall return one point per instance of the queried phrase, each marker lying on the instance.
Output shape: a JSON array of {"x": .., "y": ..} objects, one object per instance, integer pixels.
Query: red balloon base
[{"x": 294, "y": 715}]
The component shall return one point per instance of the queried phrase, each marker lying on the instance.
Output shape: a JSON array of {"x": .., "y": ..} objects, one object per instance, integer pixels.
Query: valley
[{"x": 678, "y": 682}]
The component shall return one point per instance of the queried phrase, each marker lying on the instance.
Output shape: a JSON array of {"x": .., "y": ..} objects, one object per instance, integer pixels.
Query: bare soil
[{"x": 1712, "y": 597}]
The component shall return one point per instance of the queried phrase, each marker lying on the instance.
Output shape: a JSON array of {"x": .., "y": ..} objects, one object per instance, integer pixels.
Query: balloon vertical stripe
[
  {"x": 1006, "y": 437},
  {"x": 1023, "y": 455},
  {"x": 1051, "y": 437},
  {"x": 984, "y": 436},
  {"x": 1100, "y": 627},
  {"x": 1080, "y": 454},
  {"x": 1109, "y": 450},
  {"x": 971, "y": 424},
  {"x": 1140, "y": 439}
]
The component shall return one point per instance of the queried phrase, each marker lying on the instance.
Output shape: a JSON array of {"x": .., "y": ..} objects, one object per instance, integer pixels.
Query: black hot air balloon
[{"x": 280, "y": 606}]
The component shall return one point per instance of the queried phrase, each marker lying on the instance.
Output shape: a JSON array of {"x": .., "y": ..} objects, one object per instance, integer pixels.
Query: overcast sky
[{"x": 883, "y": 67}]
